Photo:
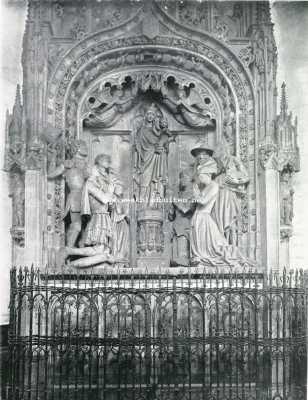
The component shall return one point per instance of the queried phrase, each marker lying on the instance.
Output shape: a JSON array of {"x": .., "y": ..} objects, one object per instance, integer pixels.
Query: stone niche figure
[
  {"x": 180, "y": 213},
  {"x": 120, "y": 222},
  {"x": 286, "y": 198},
  {"x": 233, "y": 183},
  {"x": 75, "y": 172},
  {"x": 18, "y": 199},
  {"x": 208, "y": 245},
  {"x": 152, "y": 144},
  {"x": 97, "y": 200}
]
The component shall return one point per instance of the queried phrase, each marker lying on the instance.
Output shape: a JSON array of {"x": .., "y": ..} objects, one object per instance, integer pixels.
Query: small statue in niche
[
  {"x": 75, "y": 173},
  {"x": 286, "y": 197},
  {"x": 208, "y": 244},
  {"x": 120, "y": 222},
  {"x": 97, "y": 201},
  {"x": 180, "y": 213},
  {"x": 18, "y": 199},
  {"x": 152, "y": 143}
]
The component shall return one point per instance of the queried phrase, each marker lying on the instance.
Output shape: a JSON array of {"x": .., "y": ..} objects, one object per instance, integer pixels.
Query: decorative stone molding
[
  {"x": 285, "y": 233},
  {"x": 36, "y": 155},
  {"x": 18, "y": 236}
]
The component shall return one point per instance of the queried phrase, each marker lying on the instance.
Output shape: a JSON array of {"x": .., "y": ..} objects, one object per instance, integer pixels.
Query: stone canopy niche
[
  {"x": 147, "y": 135},
  {"x": 133, "y": 175}
]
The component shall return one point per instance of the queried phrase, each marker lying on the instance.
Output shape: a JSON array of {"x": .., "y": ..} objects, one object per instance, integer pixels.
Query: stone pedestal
[{"x": 150, "y": 238}]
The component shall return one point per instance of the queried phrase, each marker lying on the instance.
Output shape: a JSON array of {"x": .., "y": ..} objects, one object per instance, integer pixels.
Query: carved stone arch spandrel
[{"x": 196, "y": 59}]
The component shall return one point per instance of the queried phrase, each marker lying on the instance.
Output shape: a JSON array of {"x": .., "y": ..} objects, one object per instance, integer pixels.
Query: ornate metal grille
[{"x": 160, "y": 336}]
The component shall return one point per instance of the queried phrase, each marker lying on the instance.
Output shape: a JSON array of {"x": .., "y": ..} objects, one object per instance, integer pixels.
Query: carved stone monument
[{"x": 147, "y": 136}]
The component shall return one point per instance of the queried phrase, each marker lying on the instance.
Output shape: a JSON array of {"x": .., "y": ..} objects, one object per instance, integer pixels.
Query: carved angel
[
  {"x": 111, "y": 102},
  {"x": 187, "y": 109}
]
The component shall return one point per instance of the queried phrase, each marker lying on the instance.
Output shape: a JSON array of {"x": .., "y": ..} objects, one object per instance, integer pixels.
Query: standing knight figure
[{"x": 75, "y": 173}]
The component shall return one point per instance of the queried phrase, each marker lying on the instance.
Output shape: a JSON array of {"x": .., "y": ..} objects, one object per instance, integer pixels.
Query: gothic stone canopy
[{"x": 147, "y": 136}]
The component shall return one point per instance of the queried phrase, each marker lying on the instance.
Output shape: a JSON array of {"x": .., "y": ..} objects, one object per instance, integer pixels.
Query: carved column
[
  {"x": 269, "y": 206},
  {"x": 34, "y": 206}
]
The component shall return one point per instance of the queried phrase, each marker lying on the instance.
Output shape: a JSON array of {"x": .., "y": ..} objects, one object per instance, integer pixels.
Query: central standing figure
[{"x": 152, "y": 142}]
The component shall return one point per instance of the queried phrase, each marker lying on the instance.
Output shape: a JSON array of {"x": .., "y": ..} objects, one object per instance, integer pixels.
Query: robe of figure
[
  {"x": 120, "y": 233},
  {"x": 208, "y": 244},
  {"x": 228, "y": 205},
  {"x": 99, "y": 230},
  {"x": 151, "y": 162}
]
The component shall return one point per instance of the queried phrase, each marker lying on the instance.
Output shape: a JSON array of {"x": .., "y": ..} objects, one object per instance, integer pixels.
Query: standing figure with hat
[{"x": 75, "y": 172}]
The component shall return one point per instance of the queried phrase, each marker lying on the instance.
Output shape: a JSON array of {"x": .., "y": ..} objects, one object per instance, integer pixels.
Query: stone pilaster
[
  {"x": 33, "y": 214},
  {"x": 269, "y": 206}
]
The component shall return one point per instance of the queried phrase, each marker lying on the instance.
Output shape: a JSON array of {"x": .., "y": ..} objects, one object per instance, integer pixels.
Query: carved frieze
[
  {"x": 225, "y": 21},
  {"x": 110, "y": 99}
]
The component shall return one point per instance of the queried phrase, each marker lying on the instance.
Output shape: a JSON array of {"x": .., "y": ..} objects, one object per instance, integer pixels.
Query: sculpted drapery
[
  {"x": 214, "y": 206},
  {"x": 152, "y": 140}
]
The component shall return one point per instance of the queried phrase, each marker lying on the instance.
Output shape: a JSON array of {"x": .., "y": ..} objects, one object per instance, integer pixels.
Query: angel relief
[
  {"x": 187, "y": 105},
  {"x": 108, "y": 104}
]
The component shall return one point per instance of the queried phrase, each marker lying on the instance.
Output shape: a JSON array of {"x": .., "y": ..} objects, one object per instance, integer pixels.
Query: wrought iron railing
[{"x": 157, "y": 336}]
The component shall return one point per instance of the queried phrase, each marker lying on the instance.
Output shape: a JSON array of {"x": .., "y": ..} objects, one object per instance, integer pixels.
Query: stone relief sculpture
[
  {"x": 209, "y": 246},
  {"x": 152, "y": 141},
  {"x": 75, "y": 173},
  {"x": 96, "y": 200},
  {"x": 286, "y": 197},
  {"x": 18, "y": 199},
  {"x": 110, "y": 103},
  {"x": 180, "y": 214},
  {"x": 233, "y": 182},
  {"x": 188, "y": 108},
  {"x": 120, "y": 225}
]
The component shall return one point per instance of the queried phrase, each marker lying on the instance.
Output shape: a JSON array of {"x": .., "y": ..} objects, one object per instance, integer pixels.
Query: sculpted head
[
  {"x": 118, "y": 189},
  {"x": 163, "y": 123},
  {"x": 204, "y": 178},
  {"x": 81, "y": 154},
  {"x": 103, "y": 162},
  {"x": 206, "y": 171},
  {"x": 202, "y": 154},
  {"x": 150, "y": 114}
]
